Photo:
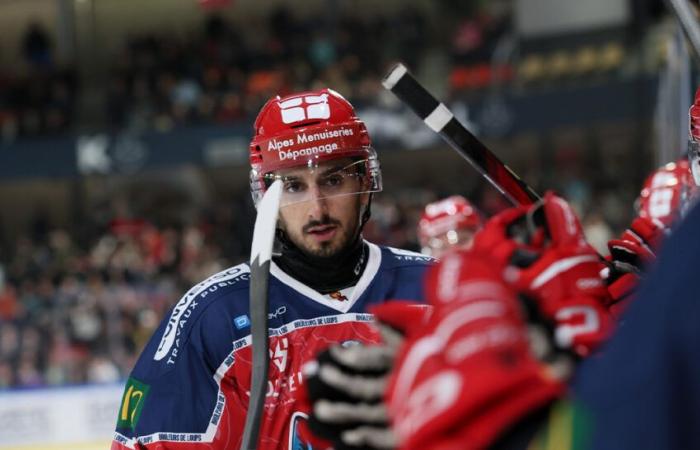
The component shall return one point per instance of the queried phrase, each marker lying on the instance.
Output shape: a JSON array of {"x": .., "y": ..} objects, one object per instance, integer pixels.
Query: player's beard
[{"x": 345, "y": 235}]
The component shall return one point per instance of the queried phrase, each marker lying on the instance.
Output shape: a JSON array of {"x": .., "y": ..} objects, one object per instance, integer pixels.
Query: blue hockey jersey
[
  {"x": 190, "y": 386},
  {"x": 643, "y": 391}
]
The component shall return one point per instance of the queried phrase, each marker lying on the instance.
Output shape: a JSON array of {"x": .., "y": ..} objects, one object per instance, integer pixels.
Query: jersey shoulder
[
  {"x": 401, "y": 273},
  {"x": 176, "y": 369},
  {"x": 397, "y": 257},
  {"x": 219, "y": 297}
]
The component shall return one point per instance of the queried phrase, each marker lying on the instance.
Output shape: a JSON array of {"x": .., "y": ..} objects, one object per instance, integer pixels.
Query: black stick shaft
[
  {"x": 260, "y": 274},
  {"x": 441, "y": 120}
]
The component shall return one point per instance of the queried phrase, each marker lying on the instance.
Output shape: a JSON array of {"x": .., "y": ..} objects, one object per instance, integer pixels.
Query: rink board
[{"x": 80, "y": 418}]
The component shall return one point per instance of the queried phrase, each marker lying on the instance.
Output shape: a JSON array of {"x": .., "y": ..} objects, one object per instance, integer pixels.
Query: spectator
[{"x": 36, "y": 46}]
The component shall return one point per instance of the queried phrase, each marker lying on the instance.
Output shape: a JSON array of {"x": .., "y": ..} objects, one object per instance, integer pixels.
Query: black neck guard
[{"x": 323, "y": 274}]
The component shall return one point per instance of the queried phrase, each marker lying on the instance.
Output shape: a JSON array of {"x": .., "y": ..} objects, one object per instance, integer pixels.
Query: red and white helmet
[
  {"x": 307, "y": 129},
  {"x": 448, "y": 223},
  {"x": 666, "y": 192}
]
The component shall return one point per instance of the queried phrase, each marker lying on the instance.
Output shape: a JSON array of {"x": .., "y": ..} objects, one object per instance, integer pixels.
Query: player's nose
[{"x": 318, "y": 202}]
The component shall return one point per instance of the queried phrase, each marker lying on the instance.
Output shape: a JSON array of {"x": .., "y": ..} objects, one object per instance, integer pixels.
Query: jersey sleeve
[
  {"x": 172, "y": 399},
  {"x": 408, "y": 271}
]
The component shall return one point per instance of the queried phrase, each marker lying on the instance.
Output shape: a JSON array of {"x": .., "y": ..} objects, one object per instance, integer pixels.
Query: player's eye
[
  {"x": 293, "y": 186},
  {"x": 332, "y": 180}
]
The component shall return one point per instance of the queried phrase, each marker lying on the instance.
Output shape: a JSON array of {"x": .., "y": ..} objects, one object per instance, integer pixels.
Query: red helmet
[
  {"x": 666, "y": 192},
  {"x": 307, "y": 129},
  {"x": 452, "y": 214}
]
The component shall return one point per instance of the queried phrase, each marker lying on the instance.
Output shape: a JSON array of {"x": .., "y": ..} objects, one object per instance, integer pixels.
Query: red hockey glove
[
  {"x": 638, "y": 244},
  {"x": 469, "y": 374},
  {"x": 400, "y": 317},
  {"x": 343, "y": 388},
  {"x": 547, "y": 258},
  {"x": 629, "y": 255}
]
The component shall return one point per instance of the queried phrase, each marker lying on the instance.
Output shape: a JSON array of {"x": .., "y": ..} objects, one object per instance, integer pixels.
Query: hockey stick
[
  {"x": 441, "y": 120},
  {"x": 260, "y": 256}
]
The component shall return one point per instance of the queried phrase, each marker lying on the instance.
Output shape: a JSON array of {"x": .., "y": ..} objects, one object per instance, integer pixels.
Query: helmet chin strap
[{"x": 366, "y": 214}]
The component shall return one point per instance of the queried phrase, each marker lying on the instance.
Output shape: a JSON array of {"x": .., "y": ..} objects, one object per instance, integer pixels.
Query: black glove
[{"x": 346, "y": 387}]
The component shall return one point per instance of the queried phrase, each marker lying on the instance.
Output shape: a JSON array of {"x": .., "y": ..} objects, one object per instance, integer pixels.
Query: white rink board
[{"x": 71, "y": 417}]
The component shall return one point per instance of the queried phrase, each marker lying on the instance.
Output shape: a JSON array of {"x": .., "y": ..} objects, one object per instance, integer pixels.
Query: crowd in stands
[
  {"x": 72, "y": 315},
  {"x": 37, "y": 97},
  {"x": 42, "y": 103},
  {"x": 212, "y": 75},
  {"x": 218, "y": 76},
  {"x": 76, "y": 310}
]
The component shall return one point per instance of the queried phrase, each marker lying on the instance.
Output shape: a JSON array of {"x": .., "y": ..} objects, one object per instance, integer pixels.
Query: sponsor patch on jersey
[
  {"x": 338, "y": 296},
  {"x": 241, "y": 322},
  {"x": 277, "y": 313},
  {"x": 133, "y": 399}
]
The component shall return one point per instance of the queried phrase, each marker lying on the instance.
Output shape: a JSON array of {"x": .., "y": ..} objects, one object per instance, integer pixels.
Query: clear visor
[{"x": 328, "y": 180}]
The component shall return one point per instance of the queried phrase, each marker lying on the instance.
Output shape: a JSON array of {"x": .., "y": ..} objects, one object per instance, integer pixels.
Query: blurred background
[{"x": 124, "y": 127}]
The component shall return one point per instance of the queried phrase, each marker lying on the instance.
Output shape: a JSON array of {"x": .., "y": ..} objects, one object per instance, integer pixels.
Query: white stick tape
[
  {"x": 390, "y": 81},
  {"x": 437, "y": 119}
]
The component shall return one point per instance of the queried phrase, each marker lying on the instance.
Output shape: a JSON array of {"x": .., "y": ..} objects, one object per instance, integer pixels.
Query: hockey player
[
  {"x": 643, "y": 391},
  {"x": 446, "y": 224},
  {"x": 466, "y": 378},
  {"x": 481, "y": 370},
  {"x": 190, "y": 386},
  {"x": 667, "y": 193}
]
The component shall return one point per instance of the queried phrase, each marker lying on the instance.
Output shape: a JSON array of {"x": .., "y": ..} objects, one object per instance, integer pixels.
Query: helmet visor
[{"x": 330, "y": 179}]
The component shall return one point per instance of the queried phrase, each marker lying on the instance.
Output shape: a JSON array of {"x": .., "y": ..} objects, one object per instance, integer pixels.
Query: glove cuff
[{"x": 482, "y": 415}]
